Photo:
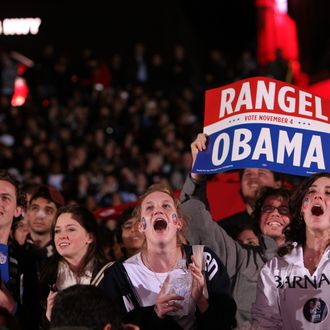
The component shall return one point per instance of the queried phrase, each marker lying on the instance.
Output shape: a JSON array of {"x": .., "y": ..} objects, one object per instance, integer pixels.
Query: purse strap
[{"x": 99, "y": 276}]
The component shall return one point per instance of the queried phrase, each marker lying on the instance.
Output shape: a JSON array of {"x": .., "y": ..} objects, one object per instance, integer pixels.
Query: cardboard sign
[{"x": 265, "y": 123}]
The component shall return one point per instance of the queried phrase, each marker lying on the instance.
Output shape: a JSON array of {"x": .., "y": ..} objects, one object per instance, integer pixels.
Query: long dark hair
[
  {"x": 296, "y": 231},
  {"x": 94, "y": 252}
]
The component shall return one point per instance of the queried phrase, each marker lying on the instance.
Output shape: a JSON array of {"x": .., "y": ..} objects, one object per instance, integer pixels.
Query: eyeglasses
[{"x": 283, "y": 210}]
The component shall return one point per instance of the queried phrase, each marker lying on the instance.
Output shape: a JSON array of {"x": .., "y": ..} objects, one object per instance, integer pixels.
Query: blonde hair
[{"x": 162, "y": 187}]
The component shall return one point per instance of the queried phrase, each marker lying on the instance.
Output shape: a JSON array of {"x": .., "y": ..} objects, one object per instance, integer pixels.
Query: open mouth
[
  {"x": 317, "y": 210},
  {"x": 160, "y": 224},
  {"x": 274, "y": 224}
]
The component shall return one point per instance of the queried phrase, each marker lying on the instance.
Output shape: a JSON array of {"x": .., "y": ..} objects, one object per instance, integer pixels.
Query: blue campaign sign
[{"x": 264, "y": 123}]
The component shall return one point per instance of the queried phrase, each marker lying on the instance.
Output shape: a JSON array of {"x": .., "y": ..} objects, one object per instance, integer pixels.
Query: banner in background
[{"x": 265, "y": 123}]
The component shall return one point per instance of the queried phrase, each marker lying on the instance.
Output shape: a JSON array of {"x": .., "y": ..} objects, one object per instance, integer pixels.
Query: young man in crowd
[
  {"x": 18, "y": 286},
  {"x": 252, "y": 180},
  {"x": 43, "y": 205},
  {"x": 128, "y": 236}
]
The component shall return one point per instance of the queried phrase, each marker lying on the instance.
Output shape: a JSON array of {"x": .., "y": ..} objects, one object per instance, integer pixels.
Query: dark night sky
[
  {"x": 116, "y": 25},
  {"x": 228, "y": 25}
]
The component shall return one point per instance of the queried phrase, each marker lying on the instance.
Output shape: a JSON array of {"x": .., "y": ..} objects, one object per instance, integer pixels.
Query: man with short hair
[
  {"x": 44, "y": 203},
  {"x": 12, "y": 203},
  {"x": 18, "y": 291}
]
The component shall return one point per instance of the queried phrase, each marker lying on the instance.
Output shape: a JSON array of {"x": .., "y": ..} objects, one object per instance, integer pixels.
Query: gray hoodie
[{"x": 243, "y": 264}]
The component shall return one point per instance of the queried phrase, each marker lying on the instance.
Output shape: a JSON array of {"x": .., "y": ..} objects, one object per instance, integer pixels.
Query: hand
[
  {"x": 199, "y": 144},
  {"x": 6, "y": 299},
  {"x": 165, "y": 301},
  {"x": 50, "y": 304},
  {"x": 198, "y": 283}
]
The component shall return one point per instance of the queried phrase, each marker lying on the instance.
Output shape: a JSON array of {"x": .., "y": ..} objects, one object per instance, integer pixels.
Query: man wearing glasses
[{"x": 273, "y": 213}]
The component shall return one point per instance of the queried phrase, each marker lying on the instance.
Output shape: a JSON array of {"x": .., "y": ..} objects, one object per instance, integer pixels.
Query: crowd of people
[
  {"x": 161, "y": 279},
  {"x": 101, "y": 130},
  {"x": 96, "y": 133}
]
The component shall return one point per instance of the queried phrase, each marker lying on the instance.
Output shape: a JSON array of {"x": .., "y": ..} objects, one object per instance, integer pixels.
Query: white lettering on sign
[
  {"x": 287, "y": 98},
  {"x": 20, "y": 26},
  {"x": 242, "y": 148}
]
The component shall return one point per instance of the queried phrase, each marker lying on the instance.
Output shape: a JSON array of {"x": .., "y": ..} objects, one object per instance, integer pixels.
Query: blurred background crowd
[{"x": 105, "y": 119}]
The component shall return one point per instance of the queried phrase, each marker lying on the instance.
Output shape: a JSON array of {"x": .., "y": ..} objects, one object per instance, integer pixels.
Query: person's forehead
[
  {"x": 42, "y": 201},
  {"x": 322, "y": 181},
  {"x": 272, "y": 199},
  {"x": 247, "y": 233},
  {"x": 257, "y": 170},
  {"x": 130, "y": 220},
  {"x": 6, "y": 186},
  {"x": 158, "y": 195},
  {"x": 66, "y": 219}
]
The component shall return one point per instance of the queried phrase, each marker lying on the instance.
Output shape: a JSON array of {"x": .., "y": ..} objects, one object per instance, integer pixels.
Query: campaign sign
[{"x": 265, "y": 123}]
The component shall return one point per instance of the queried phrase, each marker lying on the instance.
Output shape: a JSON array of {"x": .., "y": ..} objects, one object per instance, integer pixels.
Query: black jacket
[
  {"x": 23, "y": 286},
  {"x": 220, "y": 314}
]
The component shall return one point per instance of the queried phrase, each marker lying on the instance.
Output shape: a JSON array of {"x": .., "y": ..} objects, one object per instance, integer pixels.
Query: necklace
[{"x": 147, "y": 263}]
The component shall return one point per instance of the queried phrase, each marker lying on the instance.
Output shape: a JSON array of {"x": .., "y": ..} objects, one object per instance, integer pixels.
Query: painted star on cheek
[
  {"x": 144, "y": 223},
  {"x": 305, "y": 203},
  {"x": 175, "y": 219}
]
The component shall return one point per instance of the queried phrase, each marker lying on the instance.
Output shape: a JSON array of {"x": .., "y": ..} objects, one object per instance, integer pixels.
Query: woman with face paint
[
  {"x": 294, "y": 287},
  {"x": 163, "y": 286}
]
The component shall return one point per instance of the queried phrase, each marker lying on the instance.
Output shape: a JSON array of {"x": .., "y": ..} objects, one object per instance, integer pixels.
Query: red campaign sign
[
  {"x": 265, "y": 123},
  {"x": 264, "y": 95}
]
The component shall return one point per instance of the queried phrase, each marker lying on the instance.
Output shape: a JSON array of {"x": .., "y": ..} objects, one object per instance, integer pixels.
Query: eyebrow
[
  {"x": 6, "y": 195},
  {"x": 50, "y": 208},
  {"x": 68, "y": 225}
]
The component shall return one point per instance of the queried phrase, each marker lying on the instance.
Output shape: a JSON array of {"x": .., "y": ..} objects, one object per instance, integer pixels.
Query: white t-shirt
[
  {"x": 289, "y": 297},
  {"x": 147, "y": 285}
]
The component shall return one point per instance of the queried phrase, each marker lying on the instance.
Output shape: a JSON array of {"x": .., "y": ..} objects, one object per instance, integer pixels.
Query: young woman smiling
[{"x": 78, "y": 256}]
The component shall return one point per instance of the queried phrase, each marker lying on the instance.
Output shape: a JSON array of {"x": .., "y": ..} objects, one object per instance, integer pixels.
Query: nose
[
  {"x": 276, "y": 213},
  {"x": 41, "y": 214},
  {"x": 253, "y": 175},
  {"x": 158, "y": 211},
  {"x": 317, "y": 196},
  {"x": 62, "y": 236}
]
